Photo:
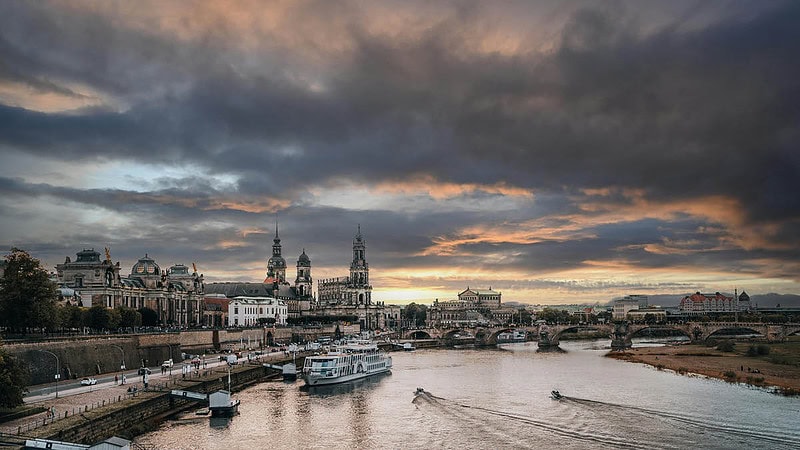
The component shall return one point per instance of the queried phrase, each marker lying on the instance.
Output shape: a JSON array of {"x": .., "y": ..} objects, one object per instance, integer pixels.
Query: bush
[
  {"x": 729, "y": 375},
  {"x": 726, "y": 346},
  {"x": 758, "y": 350}
]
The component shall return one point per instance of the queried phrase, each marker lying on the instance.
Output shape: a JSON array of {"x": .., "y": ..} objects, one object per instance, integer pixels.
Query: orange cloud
[
  {"x": 427, "y": 184},
  {"x": 255, "y": 205}
]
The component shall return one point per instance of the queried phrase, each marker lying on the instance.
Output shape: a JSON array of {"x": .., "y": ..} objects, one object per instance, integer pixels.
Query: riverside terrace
[
  {"x": 621, "y": 332},
  {"x": 108, "y": 409}
]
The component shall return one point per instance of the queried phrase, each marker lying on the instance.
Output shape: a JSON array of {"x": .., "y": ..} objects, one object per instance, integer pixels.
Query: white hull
[
  {"x": 349, "y": 362},
  {"x": 324, "y": 381}
]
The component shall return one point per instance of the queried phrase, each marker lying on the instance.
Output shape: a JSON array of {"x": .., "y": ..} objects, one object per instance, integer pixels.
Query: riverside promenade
[{"x": 77, "y": 406}]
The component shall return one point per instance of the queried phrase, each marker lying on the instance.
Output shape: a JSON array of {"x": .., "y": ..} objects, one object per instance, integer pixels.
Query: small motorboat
[{"x": 555, "y": 395}]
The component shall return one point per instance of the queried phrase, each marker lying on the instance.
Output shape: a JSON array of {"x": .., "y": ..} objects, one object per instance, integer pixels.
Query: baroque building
[
  {"x": 351, "y": 290},
  {"x": 298, "y": 297},
  {"x": 174, "y": 294},
  {"x": 473, "y": 307},
  {"x": 351, "y": 296}
]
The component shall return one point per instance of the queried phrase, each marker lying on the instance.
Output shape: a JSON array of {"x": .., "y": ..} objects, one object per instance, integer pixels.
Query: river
[{"x": 493, "y": 399}]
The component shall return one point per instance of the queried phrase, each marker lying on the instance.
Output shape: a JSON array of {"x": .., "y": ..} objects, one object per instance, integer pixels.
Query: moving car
[{"x": 88, "y": 381}]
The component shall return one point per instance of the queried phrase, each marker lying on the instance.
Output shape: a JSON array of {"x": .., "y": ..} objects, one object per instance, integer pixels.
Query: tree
[
  {"x": 552, "y": 315},
  {"x": 70, "y": 316},
  {"x": 129, "y": 317},
  {"x": 27, "y": 296},
  {"x": 13, "y": 380},
  {"x": 149, "y": 317},
  {"x": 415, "y": 314},
  {"x": 99, "y": 318},
  {"x": 525, "y": 317}
]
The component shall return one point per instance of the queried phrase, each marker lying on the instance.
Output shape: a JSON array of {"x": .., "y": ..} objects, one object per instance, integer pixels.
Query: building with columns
[
  {"x": 174, "y": 294},
  {"x": 473, "y": 307}
]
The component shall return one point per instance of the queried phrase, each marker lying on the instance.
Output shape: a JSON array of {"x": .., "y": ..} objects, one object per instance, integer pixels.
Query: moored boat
[
  {"x": 289, "y": 372},
  {"x": 221, "y": 404},
  {"x": 351, "y": 361}
]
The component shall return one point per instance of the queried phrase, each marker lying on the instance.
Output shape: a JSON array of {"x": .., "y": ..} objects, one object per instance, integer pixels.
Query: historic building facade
[
  {"x": 698, "y": 304},
  {"x": 253, "y": 311},
  {"x": 298, "y": 297},
  {"x": 174, "y": 294},
  {"x": 473, "y": 307},
  {"x": 352, "y": 290},
  {"x": 351, "y": 296},
  {"x": 347, "y": 298}
]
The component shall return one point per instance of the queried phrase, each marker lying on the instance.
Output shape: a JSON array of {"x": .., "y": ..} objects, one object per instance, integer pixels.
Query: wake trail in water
[
  {"x": 471, "y": 412},
  {"x": 693, "y": 422}
]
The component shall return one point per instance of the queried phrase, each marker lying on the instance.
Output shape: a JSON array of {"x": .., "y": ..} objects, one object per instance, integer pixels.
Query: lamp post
[
  {"x": 58, "y": 367},
  {"x": 170, "y": 357},
  {"x": 122, "y": 364}
]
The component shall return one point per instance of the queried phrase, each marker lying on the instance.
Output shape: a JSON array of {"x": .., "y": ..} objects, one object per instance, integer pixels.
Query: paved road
[{"x": 40, "y": 393}]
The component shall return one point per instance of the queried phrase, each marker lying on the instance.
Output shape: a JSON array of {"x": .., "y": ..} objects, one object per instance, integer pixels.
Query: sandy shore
[{"x": 697, "y": 359}]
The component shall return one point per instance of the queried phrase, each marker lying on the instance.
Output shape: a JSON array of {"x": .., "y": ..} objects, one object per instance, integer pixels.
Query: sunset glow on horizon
[{"x": 559, "y": 152}]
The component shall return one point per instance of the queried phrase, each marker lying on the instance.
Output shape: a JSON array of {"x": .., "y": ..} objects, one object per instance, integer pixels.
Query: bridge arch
[
  {"x": 492, "y": 337},
  {"x": 420, "y": 334},
  {"x": 726, "y": 332},
  {"x": 639, "y": 332},
  {"x": 455, "y": 333},
  {"x": 556, "y": 338}
]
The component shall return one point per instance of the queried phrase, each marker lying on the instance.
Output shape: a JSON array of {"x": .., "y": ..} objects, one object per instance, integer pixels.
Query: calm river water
[{"x": 498, "y": 399}]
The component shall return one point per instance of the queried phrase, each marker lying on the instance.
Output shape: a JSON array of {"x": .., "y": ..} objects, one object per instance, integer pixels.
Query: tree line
[{"x": 29, "y": 301}]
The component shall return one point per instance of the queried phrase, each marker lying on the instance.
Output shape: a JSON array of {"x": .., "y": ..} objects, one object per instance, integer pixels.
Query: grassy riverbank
[{"x": 758, "y": 364}]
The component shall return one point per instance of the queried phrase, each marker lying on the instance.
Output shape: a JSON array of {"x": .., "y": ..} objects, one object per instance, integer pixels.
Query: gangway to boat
[{"x": 196, "y": 396}]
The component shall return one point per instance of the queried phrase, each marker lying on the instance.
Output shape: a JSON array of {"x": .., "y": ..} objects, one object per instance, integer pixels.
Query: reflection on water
[
  {"x": 344, "y": 388},
  {"x": 500, "y": 399},
  {"x": 219, "y": 422}
]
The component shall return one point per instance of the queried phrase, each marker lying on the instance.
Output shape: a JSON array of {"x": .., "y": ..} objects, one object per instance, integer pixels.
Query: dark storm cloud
[
  {"x": 676, "y": 112},
  {"x": 679, "y": 113}
]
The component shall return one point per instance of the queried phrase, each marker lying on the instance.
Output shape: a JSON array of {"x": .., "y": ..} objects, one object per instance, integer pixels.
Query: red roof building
[{"x": 698, "y": 303}]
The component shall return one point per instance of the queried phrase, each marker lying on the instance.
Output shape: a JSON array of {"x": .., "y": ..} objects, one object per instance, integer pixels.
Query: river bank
[{"x": 735, "y": 366}]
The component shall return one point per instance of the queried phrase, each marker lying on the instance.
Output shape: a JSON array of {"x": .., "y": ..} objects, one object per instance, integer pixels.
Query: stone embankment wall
[
  {"x": 97, "y": 425},
  {"x": 91, "y": 356}
]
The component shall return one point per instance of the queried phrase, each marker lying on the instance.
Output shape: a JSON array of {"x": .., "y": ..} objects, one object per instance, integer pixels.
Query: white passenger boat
[{"x": 351, "y": 361}]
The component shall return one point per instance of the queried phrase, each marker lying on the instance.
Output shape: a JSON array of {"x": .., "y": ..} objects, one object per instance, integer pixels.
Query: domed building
[
  {"x": 174, "y": 295},
  {"x": 299, "y": 298}
]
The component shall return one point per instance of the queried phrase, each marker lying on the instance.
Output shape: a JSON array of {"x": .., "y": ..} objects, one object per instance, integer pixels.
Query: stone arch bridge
[{"x": 621, "y": 333}]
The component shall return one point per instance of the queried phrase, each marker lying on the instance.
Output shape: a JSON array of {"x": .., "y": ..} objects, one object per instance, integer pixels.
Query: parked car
[{"x": 88, "y": 382}]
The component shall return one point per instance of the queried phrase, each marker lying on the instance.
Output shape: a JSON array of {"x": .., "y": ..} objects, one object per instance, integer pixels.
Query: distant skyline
[{"x": 556, "y": 151}]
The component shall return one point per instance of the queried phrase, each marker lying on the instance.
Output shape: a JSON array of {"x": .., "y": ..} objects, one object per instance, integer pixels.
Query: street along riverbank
[{"x": 779, "y": 368}]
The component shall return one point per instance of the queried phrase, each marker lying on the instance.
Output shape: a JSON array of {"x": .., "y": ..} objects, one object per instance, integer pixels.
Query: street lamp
[
  {"x": 58, "y": 367},
  {"x": 122, "y": 364},
  {"x": 170, "y": 357}
]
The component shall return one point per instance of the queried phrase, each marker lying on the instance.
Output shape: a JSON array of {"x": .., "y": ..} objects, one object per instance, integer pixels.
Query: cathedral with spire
[{"x": 346, "y": 298}]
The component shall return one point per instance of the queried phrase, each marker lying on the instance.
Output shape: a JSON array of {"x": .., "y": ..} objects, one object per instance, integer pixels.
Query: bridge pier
[
  {"x": 545, "y": 340},
  {"x": 621, "y": 340}
]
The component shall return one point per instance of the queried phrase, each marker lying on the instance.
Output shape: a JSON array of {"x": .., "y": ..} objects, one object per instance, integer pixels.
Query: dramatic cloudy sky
[{"x": 556, "y": 151}]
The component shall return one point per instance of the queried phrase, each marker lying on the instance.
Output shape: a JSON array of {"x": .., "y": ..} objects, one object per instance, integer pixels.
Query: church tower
[
  {"x": 303, "y": 283},
  {"x": 276, "y": 266},
  {"x": 359, "y": 271}
]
